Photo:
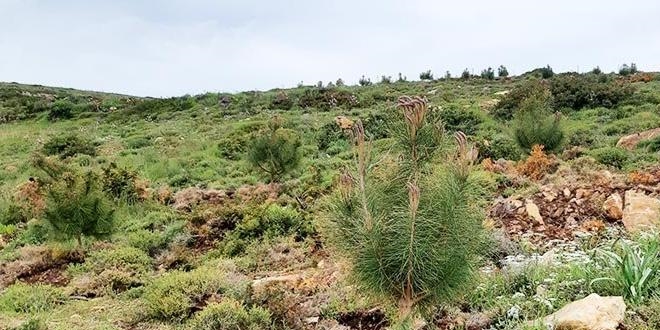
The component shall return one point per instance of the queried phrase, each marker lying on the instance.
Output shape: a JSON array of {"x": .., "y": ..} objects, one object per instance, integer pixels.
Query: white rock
[{"x": 591, "y": 313}]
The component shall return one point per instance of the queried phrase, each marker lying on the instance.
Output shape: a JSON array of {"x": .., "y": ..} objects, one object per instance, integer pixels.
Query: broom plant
[{"x": 408, "y": 223}]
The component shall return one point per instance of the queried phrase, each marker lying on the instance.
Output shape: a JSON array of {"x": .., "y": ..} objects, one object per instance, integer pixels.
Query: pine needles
[{"x": 410, "y": 226}]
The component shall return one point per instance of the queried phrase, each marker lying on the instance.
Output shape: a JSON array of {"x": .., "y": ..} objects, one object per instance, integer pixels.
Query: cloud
[{"x": 173, "y": 47}]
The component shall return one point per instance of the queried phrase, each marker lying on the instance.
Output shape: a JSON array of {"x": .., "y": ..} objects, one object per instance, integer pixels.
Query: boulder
[
  {"x": 613, "y": 207},
  {"x": 591, "y": 313},
  {"x": 640, "y": 211},
  {"x": 630, "y": 141},
  {"x": 533, "y": 212}
]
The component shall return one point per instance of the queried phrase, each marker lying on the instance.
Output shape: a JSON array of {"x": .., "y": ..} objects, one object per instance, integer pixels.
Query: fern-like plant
[
  {"x": 535, "y": 124},
  {"x": 408, "y": 223},
  {"x": 75, "y": 204}
]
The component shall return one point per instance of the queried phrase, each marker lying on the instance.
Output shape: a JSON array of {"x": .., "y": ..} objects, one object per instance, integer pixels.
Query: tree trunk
[{"x": 79, "y": 239}]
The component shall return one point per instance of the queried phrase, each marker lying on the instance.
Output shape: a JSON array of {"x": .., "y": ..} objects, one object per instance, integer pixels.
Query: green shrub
[
  {"x": 31, "y": 324},
  {"x": 466, "y": 74},
  {"x": 124, "y": 258},
  {"x": 456, "y": 119},
  {"x": 61, "y": 109},
  {"x": 120, "y": 183},
  {"x": 12, "y": 213},
  {"x": 502, "y": 71},
  {"x": 26, "y": 298},
  {"x": 328, "y": 135},
  {"x": 626, "y": 70},
  {"x": 488, "y": 74},
  {"x": 652, "y": 145},
  {"x": 411, "y": 230},
  {"x": 281, "y": 101},
  {"x": 68, "y": 145},
  {"x": 230, "y": 314},
  {"x": 611, "y": 156},
  {"x": 505, "y": 109},
  {"x": 173, "y": 295},
  {"x": 579, "y": 91},
  {"x": 534, "y": 124},
  {"x": 137, "y": 142},
  {"x": 233, "y": 147},
  {"x": 426, "y": 75},
  {"x": 275, "y": 152},
  {"x": 75, "y": 204},
  {"x": 499, "y": 146}
]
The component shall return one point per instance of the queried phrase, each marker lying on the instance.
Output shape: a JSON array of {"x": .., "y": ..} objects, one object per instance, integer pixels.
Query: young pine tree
[
  {"x": 75, "y": 204},
  {"x": 275, "y": 152},
  {"x": 535, "y": 124},
  {"x": 408, "y": 223}
]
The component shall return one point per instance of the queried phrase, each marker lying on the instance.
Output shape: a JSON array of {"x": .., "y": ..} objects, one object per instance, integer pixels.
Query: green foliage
[
  {"x": 510, "y": 102},
  {"x": 31, "y": 324},
  {"x": 410, "y": 230},
  {"x": 502, "y": 71},
  {"x": 466, "y": 74},
  {"x": 627, "y": 70},
  {"x": 329, "y": 135},
  {"x": 120, "y": 183},
  {"x": 12, "y": 213},
  {"x": 546, "y": 72},
  {"x": 426, "y": 75},
  {"x": 364, "y": 81},
  {"x": 597, "y": 70},
  {"x": 633, "y": 270},
  {"x": 68, "y": 145},
  {"x": 281, "y": 101},
  {"x": 457, "y": 119},
  {"x": 126, "y": 259},
  {"x": 611, "y": 156},
  {"x": 230, "y": 314},
  {"x": 488, "y": 74},
  {"x": 499, "y": 146},
  {"x": 61, "y": 109},
  {"x": 75, "y": 204},
  {"x": 386, "y": 79},
  {"x": 173, "y": 295},
  {"x": 580, "y": 91},
  {"x": 535, "y": 124},
  {"x": 275, "y": 152},
  {"x": 26, "y": 298},
  {"x": 652, "y": 145}
]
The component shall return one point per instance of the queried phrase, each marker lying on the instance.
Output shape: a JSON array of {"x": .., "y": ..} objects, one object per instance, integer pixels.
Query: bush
[
  {"x": 174, "y": 295},
  {"x": 364, "y": 81},
  {"x": 502, "y": 71},
  {"x": 597, "y": 70},
  {"x": 426, "y": 75},
  {"x": 281, "y": 101},
  {"x": 68, "y": 145},
  {"x": 275, "y": 152},
  {"x": 652, "y": 145},
  {"x": 627, "y": 70},
  {"x": 488, "y": 74},
  {"x": 124, "y": 258},
  {"x": 26, "y": 298},
  {"x": 535, "y": 124},
  {"x": 61, "y": 109},
  {"x": 499, "y": 146},
  {"x": 230, "y": 314},
  {"x": 546, "y": 72},
  {"x": 611, "y": 156},
  {"x": 581, "y": 91},
  {"x": 510, "y": 102},
  {"x": 120, "y": 183},
  {"x": 457, "y": 119},
  {"x": 466, "y": 74},
  {"x": 386, "y": 79},
  {"x": 409, "y": 229},
  {"x": 75, "y": 204},
  {"x": 329, "y": 135}
]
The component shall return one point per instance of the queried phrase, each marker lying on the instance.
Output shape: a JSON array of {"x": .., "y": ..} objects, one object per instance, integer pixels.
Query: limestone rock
[
  {"x": 640, "y": 211},
  {"x": 630, "y": 141},
  {"x": 591, "y": 313},
  {"x": 613, "y": 207},
  {"x": 533, "y": 212}
]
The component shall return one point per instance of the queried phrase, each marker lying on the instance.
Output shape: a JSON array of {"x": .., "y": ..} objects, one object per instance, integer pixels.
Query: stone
[
  {"x": 478, "y": 321},
  {"x": 534, "y": 213},
  {"x": 640, "y": 212},
  {"x": 591, "y": 313},
  {"x": 629, "y": 142},
  {"x": 613, "y": 207},
  {"x": 567, "y": 192}
]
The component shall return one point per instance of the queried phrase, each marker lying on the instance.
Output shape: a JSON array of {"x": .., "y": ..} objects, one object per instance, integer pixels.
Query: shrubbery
[
  {"x": 510, "y": 102},
  {"x": 230, "y": 314},
  {"x": 502, "y": 71},
  {"x": 426, "y": 75},
  {"x": 61, "y": 109},
  {"x": 499, "y": 146},
  {"x": 535, "y": 124},
  {"x": 611, "y": 156},
  {"x": 276, "y": 151},
  {"x": 457, "y": 119},
  {"x": 26, "y": 298},
  {"x": 68, "y": 145},
  {"x": 120, "y": 183},
  {"x": 488, "y": 74},
  {"x": 580, "y": 91}
]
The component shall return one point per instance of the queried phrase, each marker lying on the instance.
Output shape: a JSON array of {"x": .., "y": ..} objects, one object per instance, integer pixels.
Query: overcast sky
[{"x": 174, "y": 47}]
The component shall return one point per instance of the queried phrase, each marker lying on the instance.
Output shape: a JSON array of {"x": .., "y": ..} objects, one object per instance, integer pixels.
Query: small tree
[
  {"x": 386, "y": 79},
  {"x": 364, "y": 81},
  {"x": 502, "y": 72},
  {"x": 75, "y": 204},
  {"x": 426, "y": 75},
  {"x": 402, "y": 78},
  {"x": 597, "y": 70},
  {"x": 447, "y": 75},
  {"x": 466, "y": 74},
  {"x": 488, "y": 74},
  {"x": 546, "y": 72},
  {"x": 340, "y": 82},
  {"x": 535, "y": 124},
  {"x": 276, "y": 152},
  {"x": 410, "y": 228}
]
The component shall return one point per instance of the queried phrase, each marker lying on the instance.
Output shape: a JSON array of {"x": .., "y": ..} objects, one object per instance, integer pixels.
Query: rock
[
  {"x": 263, "y": 282},
  {"x": 640, "y": 211},
  {"x": 478, "y": 321},
  {"x": 629, "y": 142},
  {"x": 502, "y": 92},
  {"x": 534, "y": 213},
  {"x": 343, "y": 122},
  {"x": 613, "y": 207},
  {"x": 311, "y": 320},
  {"x": 591, "y": 313},
  {"x": 567, "y": 192}
]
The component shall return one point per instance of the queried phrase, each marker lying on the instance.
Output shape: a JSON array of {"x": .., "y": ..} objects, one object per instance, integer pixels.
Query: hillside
[{"x": 199, "y": 237}]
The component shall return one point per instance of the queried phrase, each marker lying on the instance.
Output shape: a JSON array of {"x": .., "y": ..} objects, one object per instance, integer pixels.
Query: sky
[{"x": 175, "y": 47}]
